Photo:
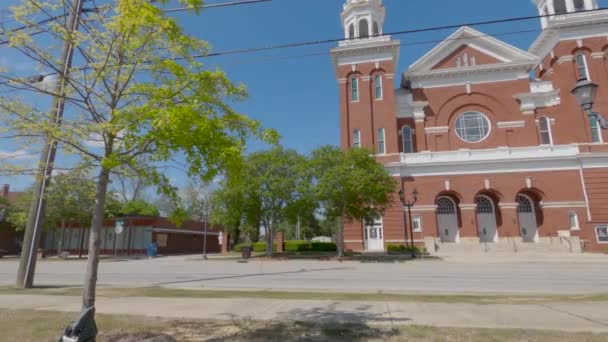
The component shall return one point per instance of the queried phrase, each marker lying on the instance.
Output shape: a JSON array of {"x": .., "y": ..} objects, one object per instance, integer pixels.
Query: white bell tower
[
  {"x": 363, "y": 19},
  {"x": 562, "y": 7}
]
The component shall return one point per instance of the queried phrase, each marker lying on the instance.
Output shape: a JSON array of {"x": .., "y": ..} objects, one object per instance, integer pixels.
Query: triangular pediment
[{"x": 468, "y": 47}]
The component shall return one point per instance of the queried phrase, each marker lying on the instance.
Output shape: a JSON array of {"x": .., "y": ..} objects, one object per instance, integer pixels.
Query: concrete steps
[{"x": 505, "y": 246}]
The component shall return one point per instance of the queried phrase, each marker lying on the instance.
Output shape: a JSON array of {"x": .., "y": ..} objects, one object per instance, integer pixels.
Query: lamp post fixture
[
  {"x": 409, "y": 204},
  {"x": 585, "y": 91}
]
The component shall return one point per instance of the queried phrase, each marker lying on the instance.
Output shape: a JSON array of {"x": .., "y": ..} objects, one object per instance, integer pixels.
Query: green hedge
[
  {"x": 305, "y": 246},
  {"x": 291, "y": 246},
  {"x": 296, "y": 246},
  {"x": 402, "y": 249},
  {"x": 323, "y": 247},
  {"x": 259, "y": 247}
]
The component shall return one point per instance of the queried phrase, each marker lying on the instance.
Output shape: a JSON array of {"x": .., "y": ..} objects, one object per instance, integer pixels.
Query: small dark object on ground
[
  {"x": 82, "y": 330},
  {"x": 246, "y": 252}
]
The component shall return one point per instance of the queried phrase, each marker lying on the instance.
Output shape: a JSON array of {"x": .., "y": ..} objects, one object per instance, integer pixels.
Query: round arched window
[{"x": 472, "y": 127}]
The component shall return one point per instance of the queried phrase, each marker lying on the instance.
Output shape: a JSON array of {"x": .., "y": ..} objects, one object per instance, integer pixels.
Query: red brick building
[
  {"x": 502, "y": 160},
  {"x": 136, "y": 234}
]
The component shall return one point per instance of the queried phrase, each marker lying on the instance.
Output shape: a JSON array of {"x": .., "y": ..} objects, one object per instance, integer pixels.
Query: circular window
[{"x": 472, "y": 127}]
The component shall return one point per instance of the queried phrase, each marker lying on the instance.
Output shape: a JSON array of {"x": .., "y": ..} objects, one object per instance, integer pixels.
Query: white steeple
[
  {"x": 562, "y": 7},
  {"x": 363, "y": 19}
]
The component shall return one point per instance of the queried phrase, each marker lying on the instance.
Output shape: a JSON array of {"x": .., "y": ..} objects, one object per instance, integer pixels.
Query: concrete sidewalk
[{"x": 582, "y": 316}]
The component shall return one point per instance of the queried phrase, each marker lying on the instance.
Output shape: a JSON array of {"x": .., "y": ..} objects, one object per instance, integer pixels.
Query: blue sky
[{"x": 297, "y": 95}]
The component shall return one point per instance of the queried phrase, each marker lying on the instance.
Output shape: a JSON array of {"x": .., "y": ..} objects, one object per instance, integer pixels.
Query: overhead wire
[{"x": 337, "y": 40}]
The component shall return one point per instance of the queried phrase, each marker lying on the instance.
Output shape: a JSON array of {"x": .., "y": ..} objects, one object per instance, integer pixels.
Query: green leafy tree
[
  {"x": 141, "y": 100},
  {"x": 350, "y": 186},
  {"x": 16, "y": 215},
  {"x": 272, "y": 179},
  {"x": 70, "y": 198},
  {"x": 139, "y": 207},
  {"x": 228, "y": 207}
]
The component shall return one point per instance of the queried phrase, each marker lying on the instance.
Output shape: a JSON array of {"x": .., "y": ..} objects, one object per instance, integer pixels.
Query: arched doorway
[
  {"x": 486, "y": 219},
  {"x": 447, "y": 220},
  {"x": 527, "y": 218}
]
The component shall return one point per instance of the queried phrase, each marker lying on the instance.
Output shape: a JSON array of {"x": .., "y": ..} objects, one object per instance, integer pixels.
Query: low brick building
[{"x": 137, "y": 233}]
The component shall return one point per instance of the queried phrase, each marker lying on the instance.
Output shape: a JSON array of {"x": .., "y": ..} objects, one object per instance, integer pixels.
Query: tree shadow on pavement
[{"x": 329, "y": 323}]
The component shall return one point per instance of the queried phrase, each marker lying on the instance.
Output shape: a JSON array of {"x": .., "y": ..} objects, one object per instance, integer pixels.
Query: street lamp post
[
  {"x": 409, "y": 204},
  {"x": 585, "y": 92}
]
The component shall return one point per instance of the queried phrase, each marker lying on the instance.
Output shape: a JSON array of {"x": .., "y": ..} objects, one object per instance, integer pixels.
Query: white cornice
[
  {"x": 491, "y": 46},
  {"x": 498, "y": 160},
  {"x": 437, "y": 129},
  {"x": 371, "y": 52},
  {"x": 511, "y": 124},
  {"x": 546, "y": 205},
  {"x": 407, "y": 107},
  {"x": 569, "y": 27},
  {"x": 487, "y": 73},
  {"x": 541, "y": 95}
]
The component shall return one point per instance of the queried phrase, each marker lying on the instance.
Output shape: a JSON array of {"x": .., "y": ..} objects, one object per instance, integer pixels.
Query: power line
[
  {"x": 395, "y": 33},
  {"x": 190, "y": 8},
  {"x": 222, "y": 4},
  {"x": 36, "y": 78},
  {"x": 47, "y": 20}
]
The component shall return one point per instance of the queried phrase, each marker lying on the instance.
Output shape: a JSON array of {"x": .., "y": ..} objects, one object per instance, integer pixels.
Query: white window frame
[
  {"x": 357, "y": 138},
  {"x": 417, "y": 223},
  {"x": 483, "y": 117},
  {"x": 549, "y": 130},
  {"x": 601, "y": 226},
  {"x": 403, "y": 135},
  {"x": 376, "y": 223},
  {"x": 378, "y": 86},
  {"x": 354, "y": 89},
  {"x": 573, "y": 215},
  {"x": 585, "y": 65},
  {"x": 381, "y": 142}
]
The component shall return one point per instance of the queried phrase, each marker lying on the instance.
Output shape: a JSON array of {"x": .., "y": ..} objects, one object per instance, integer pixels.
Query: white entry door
[
  {"x": 486, "y": 220},
  {"x": 527, "y": 219},
  {"x": 447, "y": 220},
  {"x": 374, "y": 236}
]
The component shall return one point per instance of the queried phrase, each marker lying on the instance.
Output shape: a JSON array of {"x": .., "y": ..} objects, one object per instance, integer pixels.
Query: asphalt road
[{"x": 556, "y": 274}]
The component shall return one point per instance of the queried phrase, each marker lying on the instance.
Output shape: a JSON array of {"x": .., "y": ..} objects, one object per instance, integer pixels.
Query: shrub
[
  {"x": 606, "y": 251},
  {"x": 395, "y": 248},
  {"x": 239, "y": 248},
  {"x": 296, "y": 246},
  {"x": 403, "y": 249},
  {"x": 305, "y": 246},
  {"x": 260, "y": 247},
  {"x": 323, "y": 247}
]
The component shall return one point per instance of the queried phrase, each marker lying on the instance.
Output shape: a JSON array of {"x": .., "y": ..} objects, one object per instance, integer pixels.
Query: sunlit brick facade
[{"x": 502, "y": 160}]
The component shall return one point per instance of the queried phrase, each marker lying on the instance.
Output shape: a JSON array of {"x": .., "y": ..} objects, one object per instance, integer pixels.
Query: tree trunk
[
  {"x": 90, "y": 280},
  {"x": 269, "y": 239},
  {"x": 340, "y": 235},
  {"x": 61, "y": 236},
  {"x": 82, "y": 234}
]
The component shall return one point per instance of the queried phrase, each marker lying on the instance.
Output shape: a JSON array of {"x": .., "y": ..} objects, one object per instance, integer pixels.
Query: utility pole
[
  {"x": 206, "y": 214},
  {"x": 31, "y": 238}
]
